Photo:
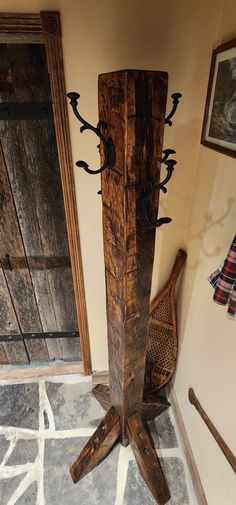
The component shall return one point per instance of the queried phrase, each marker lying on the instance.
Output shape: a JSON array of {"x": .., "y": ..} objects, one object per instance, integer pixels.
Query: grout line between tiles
[
  {"x": 35, "y": 471},
  {"x": 122, "y": 470},
  {"x": 9, "y": 450},
  {"x": 41, "y": 442}
]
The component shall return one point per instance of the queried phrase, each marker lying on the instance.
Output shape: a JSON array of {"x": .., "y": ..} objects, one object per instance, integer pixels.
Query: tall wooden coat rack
[{"x": 132, "y": 107}]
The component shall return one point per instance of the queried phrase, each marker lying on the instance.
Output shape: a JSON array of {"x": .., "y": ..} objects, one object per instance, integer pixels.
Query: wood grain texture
[
  {"x": 133, "y": 104},
  {"x": 19, "y": 28},
  {"x": 54, "y": 54},
  {"x": 3, "y": 356},
  {"x": 51, "y": 369},
  {"x": 45, "y": 210},
  {"x": 102, "y": 394},
  {"x": 41, "y": 217},
  {"x": 152, "y": 405},
  {"x": 231, "y": 458},
  {"x": 13, "y": 352},
  {"x": 98, "y": 446},
  {"x": 23, "y": 315},
  {"x": 147, "y": 459}
]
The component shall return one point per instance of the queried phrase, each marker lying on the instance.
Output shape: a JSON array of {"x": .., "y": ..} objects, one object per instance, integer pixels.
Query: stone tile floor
[{"x": 44, "y": 424}]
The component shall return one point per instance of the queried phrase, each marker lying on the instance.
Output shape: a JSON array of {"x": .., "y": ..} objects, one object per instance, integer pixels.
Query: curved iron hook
[
  {"x": 143, "y": 203},
  {"x": 109, "y": 149},
  {"x": 167, "y": 153},
  {"x": 170, "y": 167},
  {"x": 175, "y": 97}
]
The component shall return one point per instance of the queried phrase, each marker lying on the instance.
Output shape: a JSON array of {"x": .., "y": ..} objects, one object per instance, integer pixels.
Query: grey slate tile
[
  {"x": 73, "y": 406},
  {"x": 25, "y": 451},
  {"x": 29, "y": 497},
  {"x": 96, "y": 488},
  {"x": 137, "y": 492},
  {"x": 8, "y": 486},
  {"x": 19, "y": 405},
  {"x": 163, "y": 431},
  {"x": 4, "y": 444}
]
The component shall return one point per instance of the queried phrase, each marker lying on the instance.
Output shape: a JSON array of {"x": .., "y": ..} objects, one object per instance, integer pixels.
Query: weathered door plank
[
  {"x": 12, "y": 352},
  {"x": 18, "y": 281},
  {"x": 48, "y": 200},
  {"x": 34, "y": 171}
]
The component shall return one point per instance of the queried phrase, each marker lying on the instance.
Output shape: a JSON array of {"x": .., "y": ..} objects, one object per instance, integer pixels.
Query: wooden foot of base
[
  {"x": 102, "y": 394},
  {"x": 147, "y": 459},
  {"x": 152, "y": 405},
  {"x": 98, "y": 446}
]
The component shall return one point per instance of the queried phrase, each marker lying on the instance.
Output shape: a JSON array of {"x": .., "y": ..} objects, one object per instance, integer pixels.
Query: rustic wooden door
[{"x": 37, "y": 309}]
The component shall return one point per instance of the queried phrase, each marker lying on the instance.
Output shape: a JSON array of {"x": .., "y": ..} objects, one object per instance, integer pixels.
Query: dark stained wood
[
  {"x": 231, "y": 458},
  {"x": 147, "y": 459},
  {"x": 152, "y": 405},
  {"x": 20, "y": 28},
  {"x": 102, "y": 394},
  {"x": 133, "y": 104},
  {"x": 98, "y": 446},
  {"x": 53, "y": 45}
]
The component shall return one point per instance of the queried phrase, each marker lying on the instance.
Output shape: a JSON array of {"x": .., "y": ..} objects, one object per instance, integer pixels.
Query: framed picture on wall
[{"x": 219, "y": 124}]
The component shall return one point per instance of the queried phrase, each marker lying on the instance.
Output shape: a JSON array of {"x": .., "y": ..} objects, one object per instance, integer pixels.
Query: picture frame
[{"x": 219, "y": 123}]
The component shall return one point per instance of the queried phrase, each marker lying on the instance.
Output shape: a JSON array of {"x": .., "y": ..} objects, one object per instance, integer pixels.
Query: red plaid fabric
[{"x": 223, "y": 281}]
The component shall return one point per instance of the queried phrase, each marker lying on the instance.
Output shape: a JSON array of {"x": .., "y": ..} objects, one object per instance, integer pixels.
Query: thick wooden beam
[
  {"x": 147, "y": 459},
  {"x": 133, "y": 104}
]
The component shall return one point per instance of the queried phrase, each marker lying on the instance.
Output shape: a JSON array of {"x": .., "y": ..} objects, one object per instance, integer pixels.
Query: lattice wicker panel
[
  {"x": 161, "y": 347},
  {"x": 163, "y": 311}
]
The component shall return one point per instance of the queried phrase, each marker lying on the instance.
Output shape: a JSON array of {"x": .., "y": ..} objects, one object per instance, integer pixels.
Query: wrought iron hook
[
  {"x": 167, "y": 153},
  {"x": 143, "y": 203},
  {"x": 175, "y": 97},
  {"x": 109, "y": 149}
]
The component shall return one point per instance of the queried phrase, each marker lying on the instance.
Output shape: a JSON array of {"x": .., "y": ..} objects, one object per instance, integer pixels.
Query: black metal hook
[
  {"x": 109, "y": 149},
  {"x": 143, "y": 203},
  {"x": 175, "y": 97},
  {"x": 167, "y": 153}
]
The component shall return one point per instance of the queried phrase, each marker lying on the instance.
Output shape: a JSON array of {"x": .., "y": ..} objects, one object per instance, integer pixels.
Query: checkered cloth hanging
[{"x": 223, "y": 281}]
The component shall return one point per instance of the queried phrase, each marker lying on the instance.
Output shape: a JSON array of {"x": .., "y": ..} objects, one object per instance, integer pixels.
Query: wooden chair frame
[{"x": 45, "y": 28}]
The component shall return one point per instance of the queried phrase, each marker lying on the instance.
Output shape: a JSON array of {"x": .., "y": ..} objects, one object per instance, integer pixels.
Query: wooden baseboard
[
  {"x": 100, "y": 377},
  {"x": 31, "y": 371},
  {"x": 197, "y": 484}
]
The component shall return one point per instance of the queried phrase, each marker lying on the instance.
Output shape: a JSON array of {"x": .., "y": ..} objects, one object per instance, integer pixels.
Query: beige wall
[
  {"x": 208, "y": 335},
  {"x": 177, "y": 36}
]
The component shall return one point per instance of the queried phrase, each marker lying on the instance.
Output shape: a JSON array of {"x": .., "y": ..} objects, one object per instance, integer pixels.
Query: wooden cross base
[{"x": 108, "y": 432}]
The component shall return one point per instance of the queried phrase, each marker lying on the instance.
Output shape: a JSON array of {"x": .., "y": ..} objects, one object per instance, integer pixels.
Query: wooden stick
[{"x": 218, "y": 438}]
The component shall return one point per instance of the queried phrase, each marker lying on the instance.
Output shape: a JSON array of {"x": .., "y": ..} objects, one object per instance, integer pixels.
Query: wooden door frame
[{"x": 45, "y": 28}]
